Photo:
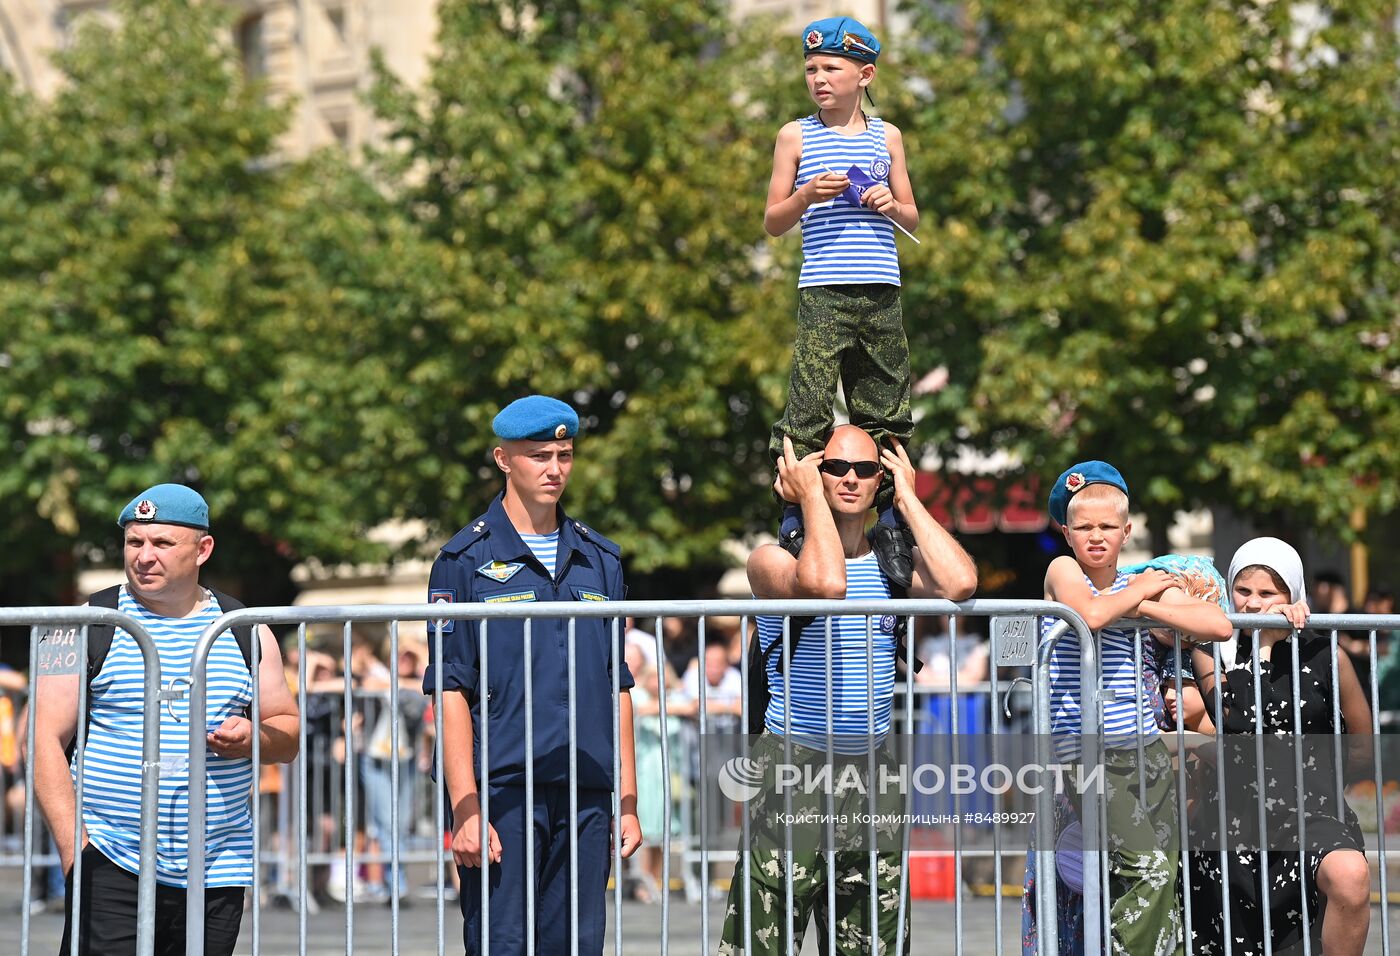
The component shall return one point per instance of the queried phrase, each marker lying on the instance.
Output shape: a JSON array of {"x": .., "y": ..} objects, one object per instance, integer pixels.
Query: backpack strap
[
  {"x": 99, "y": 639},
  {"x": 245, "y": 634},
  {"x": 901, "y": 629}
]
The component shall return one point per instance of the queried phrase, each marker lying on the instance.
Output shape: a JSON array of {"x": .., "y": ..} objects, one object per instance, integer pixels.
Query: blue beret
[
  {"x": 536, "y": 418},
  {"x": 167, "y": 504},
  {"x": 1078, "y": 477},
  {"x": 840, "y": 36}
]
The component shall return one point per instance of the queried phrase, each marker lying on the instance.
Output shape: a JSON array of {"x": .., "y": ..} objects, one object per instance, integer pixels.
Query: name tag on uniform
[
  {"x": 585, "y": 595},
  {"x": 501, "y": 571},
  {"x": 512, "y": 598}
]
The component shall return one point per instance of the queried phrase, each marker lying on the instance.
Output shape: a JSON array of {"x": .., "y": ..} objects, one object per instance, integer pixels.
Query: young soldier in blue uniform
[{"x": 525, "y": 548}]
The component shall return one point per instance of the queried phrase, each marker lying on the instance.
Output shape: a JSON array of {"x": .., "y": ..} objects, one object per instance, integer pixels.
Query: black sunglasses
[{"x": 837, "y": 468}]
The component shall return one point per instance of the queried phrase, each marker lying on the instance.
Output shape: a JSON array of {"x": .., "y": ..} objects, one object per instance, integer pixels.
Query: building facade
[
  {"x": 313, "y": 53},
  {"x": 317, "y": 53}
]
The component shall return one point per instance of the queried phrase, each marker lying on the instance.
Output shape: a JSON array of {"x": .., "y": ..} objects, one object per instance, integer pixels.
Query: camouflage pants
[
  {"x": 1143, "y": 863},
  {"x": 810, "y": 820},
  {"x": 855, "y": 333},
  {"x": 1144, "y": 852}
]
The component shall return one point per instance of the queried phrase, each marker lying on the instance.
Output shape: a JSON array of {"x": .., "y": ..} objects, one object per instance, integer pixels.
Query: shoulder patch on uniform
[
  {"x": 501, "y": 571},
  {"x": 442, "y": 596},
  {"x": 514, "y": 597}
]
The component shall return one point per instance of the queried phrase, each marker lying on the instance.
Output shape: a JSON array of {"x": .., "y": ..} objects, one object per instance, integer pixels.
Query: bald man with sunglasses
[{"x": 836, "y": 488}]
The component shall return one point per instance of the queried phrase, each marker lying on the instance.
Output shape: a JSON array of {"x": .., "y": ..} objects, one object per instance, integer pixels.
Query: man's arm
[
  {"x": 821, "y": 571},
  {"x": 1064, "y": 582},
  {"x": 55, "y": 724},
  {"x": 458, "y": 771},
  {"x": 630, "y": 827},
  {"x": 942, "y": 569},
  {"x": 278, "y": 718}
]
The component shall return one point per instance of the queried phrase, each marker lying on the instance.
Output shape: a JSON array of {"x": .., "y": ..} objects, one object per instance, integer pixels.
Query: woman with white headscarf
[{"x": 1266, "y": 577}]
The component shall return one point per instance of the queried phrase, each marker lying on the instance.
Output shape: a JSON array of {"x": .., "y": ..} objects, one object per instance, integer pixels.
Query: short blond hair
[{"x": 1100, "y": 491}]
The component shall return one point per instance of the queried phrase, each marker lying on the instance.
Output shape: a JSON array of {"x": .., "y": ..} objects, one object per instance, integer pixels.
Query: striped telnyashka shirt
[
  {"x": 1122, "y": 713},
  {"x": 852, "y": 702},
  {"x": 844, "y": 244},
  {"x": 544, "y": 547},
  {"x": 112, "y": 765}
]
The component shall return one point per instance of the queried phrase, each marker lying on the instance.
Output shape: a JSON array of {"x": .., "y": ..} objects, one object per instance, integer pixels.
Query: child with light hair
[{"x": 1089, "y": 501}]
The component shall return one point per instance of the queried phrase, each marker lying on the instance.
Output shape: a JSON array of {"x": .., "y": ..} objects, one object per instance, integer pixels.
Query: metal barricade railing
[
  {"x": 1239, "y": 759},
  {"x": 696, "y": 809},
  {"x": 1028, "y": 614},
  {"x": 58, "y": 647}
]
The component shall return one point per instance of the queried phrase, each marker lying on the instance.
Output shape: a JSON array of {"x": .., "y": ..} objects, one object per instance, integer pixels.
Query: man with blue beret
[
  {"x": 525, "y": 549},
  {"x": 166, "y": 541}
]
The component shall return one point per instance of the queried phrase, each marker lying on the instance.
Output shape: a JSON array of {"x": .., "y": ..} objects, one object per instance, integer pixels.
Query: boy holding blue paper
[{"x": 841, "y": 174}]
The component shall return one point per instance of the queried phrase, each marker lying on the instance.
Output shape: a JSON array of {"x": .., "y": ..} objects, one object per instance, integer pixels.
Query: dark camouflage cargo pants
[
  {"x": 806, "y": 821},
  {"x": 854, "y": 333}
]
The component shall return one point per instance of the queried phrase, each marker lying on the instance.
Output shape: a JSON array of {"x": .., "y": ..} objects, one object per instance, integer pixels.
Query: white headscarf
[{"x": 1279, "y": 557}]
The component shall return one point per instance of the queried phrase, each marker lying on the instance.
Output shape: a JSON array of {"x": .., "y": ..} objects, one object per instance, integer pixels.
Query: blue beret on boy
[
  {"x": 536, "y": 418},
  {"x": 1078, "y": 477},
  {"x": 167, "y": 504},
  {"x": 840, "y": 36}
]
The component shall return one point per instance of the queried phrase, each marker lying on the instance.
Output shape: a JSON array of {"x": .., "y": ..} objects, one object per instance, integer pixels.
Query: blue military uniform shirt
[{"x": 488, "y": 562}]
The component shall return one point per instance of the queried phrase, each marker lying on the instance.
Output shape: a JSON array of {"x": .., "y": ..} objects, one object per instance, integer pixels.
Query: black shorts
[{"x": 107, "y": 925}]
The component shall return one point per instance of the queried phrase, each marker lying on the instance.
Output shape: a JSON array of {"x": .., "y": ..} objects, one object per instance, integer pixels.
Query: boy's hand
[
  {"x": 896, "y": 461},
  {"x": 630, "y": 831},
  {"x": 466, "y": 842},
  {"x": 824, "y": 186},
  {"x": 798, "y": 479},
  {"x": 880, "y": 199},
  {"x": 1152, "y": 582}
]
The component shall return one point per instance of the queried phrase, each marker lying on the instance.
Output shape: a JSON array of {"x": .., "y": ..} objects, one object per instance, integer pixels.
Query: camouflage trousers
[
  {"x": 854, "y": 333},
  {"x": 1144, "y": 861},
  {"x": 812, "y": 822},
  {"x": 1144, "y": 847}
]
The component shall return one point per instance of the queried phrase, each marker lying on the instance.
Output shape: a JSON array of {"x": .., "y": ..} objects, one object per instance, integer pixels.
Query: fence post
[{"x": 84, "y": 617}]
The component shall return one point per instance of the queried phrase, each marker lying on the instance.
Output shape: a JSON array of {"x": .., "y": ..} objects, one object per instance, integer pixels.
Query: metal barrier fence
[
  {"x": 62, "y": 650},
  {"x": 1016, "y": 632},
  {"x": 1251, "y": 628},
  {"x": 1026, "y": 613}
]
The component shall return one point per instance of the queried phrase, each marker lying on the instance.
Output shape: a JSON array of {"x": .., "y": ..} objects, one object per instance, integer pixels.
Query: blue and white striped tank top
[
  {"x": 1124, "y": 709},
  {"x": 852, "y": 702},
  {"x": 112, "y": 767},
  {"x": 843, "y": 244},
  {"x": 544, "y": 547}
]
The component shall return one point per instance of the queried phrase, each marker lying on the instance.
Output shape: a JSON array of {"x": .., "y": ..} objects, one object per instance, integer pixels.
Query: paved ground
[{"x": 933, "y": 931}]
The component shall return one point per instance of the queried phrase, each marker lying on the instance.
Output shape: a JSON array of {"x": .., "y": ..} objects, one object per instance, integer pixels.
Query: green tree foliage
[
  {"x": 166, "y": 291},
  {"x": 1164, "y": 233},
  {"x": 592, "y": 175}
]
